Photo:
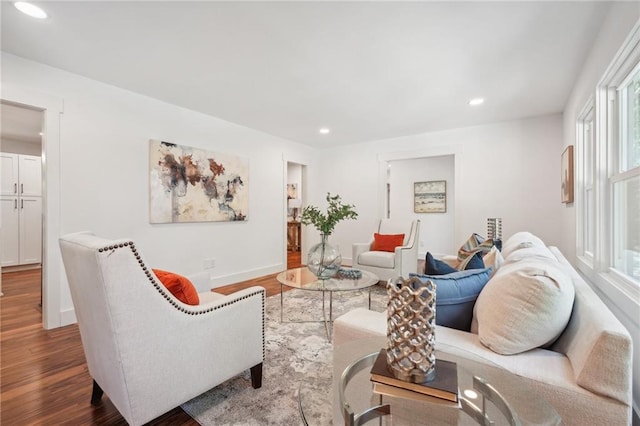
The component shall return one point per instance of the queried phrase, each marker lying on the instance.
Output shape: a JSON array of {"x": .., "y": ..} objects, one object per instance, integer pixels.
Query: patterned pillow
[{"x": 474, "y": 244}]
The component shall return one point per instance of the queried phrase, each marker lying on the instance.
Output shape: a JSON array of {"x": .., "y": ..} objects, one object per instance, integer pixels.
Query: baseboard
[
  {"x": 222, "y": 280},
  {"x": 18, "y": 268},
  {"x": 68, "y": 317}
]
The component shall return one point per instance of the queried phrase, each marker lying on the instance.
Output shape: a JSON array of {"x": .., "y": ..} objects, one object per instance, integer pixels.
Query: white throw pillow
[
  {"x": 527, "y": 304},
  {"x": 493, "y": 259},
  {"x": 520, "y": 240}
]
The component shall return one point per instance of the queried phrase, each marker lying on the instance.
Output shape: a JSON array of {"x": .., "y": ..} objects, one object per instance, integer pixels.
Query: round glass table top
[{"x": 304, "y": 279}]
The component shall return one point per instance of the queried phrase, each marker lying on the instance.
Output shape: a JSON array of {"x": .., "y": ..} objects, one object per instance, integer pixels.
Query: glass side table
[{"x": 488, "y": 394}]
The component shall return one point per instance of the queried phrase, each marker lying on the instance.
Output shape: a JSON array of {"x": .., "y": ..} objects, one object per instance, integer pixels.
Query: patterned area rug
[{"x": 295, "y": 351}]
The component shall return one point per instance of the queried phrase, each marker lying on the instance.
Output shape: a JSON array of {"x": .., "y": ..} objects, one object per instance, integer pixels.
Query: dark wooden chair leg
[
  {"x": 96, "y": 394},
  {"x": 256, "y": 376}
]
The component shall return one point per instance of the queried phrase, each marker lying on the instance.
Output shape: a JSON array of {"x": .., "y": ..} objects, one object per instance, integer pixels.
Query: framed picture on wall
[
  {"x": 566, "y": 187},
  {"x": 430, "y": 197}
]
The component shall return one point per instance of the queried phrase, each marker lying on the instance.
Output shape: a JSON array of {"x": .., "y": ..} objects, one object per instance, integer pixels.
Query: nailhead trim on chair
[
  {"x": 160, "y": 287},
  {"x": 173, "y": 303}
]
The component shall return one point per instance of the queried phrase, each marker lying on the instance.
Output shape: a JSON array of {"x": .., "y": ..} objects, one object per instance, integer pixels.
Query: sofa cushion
[
  {"x": 456, "y": 293},
  {"x": 380, "y": 259},
  {"x": 535, "y": 297},
  {"x": 386, "y": 242},
  {"x": 520, "y": 240},
  {"x": 530, "y": 253},
  {"x": 433, "y": 266},
  {"x": 179, "y": 286},
  {"x": 598, "y": 345}
]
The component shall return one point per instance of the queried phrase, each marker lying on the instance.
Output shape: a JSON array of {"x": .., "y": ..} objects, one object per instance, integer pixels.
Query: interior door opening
[
  {"x": 21, "y": 201},
  {"x": 295, "y": 196}
]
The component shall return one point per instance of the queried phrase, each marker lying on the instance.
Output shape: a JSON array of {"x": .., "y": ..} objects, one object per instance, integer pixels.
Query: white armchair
[
  {"x": 147, "y": 350},
  {"x": 388, "y": 265}
]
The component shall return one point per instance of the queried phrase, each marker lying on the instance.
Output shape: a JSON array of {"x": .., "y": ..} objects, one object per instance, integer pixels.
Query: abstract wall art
[
  {"x": 430, "y": 197},
  {"x": 194, "y": 185}
]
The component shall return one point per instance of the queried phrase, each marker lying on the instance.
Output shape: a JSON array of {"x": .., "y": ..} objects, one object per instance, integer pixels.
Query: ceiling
[{"x": 366, "y": 70}]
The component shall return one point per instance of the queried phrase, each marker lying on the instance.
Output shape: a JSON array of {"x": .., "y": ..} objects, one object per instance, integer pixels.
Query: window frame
[
  {"x": 586, "y": 182},
  {"x": 599, "y": 267}
]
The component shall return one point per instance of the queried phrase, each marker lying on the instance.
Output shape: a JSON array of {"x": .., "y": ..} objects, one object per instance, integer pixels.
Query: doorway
[
  {"x": 295, "y": 195},
  {"x": 21, "y": 200}
]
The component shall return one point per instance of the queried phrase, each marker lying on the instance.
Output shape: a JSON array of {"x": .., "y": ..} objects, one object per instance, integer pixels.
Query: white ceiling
[{"x": 367, "y": 70}]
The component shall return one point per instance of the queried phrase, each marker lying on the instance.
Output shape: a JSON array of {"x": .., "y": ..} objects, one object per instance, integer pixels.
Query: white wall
[
  {"x": 509, "y": 170},
  {"x": 619, "y": 23},
  {"x": 104, "y": 176},
  {"x": 436, "y": 229}
]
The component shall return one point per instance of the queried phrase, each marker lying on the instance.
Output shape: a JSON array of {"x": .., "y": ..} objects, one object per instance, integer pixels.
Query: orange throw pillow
[
  {"x": 179, "y": 286},
  {"x": 387, "y": 242}
]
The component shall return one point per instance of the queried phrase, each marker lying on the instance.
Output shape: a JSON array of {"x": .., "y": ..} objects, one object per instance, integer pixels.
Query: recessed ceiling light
[
  {"x": 476, "y": 101},
  {"x": 41, "y": 133},
  {"x": 30, "y": 9},
  {"x": 324, "y": 131}
]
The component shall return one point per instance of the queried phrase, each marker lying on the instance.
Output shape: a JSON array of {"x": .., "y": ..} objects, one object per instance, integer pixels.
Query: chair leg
[
  {"x": 96, "y": 394},
  {"x": 256, "y": 376}
]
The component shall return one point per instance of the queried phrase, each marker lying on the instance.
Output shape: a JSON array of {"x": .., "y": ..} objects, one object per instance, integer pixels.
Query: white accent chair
[
  {"x": 147, "y": 350},
  {"x": 388, "y": 265}
]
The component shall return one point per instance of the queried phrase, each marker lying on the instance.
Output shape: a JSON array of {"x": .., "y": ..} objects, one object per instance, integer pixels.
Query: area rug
[{"x": 297, "y": 352}]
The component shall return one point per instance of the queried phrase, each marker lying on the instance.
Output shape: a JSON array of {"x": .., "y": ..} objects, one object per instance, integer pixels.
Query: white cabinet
[
  {"x": 10, "y": 231},
  {"x": 21, "y": 175},
  {"x": 30, "y": 230},
  {"x": 9, "y": 169},
  {"x": 21, "y": 209}
]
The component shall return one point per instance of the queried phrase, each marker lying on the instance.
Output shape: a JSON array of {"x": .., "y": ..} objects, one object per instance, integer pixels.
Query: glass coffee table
[
  {"x": 488, "y": 394},
  {"x": 303, "y": 279}
]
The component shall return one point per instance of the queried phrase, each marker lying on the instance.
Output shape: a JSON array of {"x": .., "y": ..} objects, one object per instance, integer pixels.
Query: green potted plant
[{"x": 325, "y": 260}]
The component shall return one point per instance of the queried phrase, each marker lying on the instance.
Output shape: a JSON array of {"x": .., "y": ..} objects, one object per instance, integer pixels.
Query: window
[
  {"x": 586, "y": 168},
  {"x": 625, "y": 179},
  {"x": 608, "y": 171}
]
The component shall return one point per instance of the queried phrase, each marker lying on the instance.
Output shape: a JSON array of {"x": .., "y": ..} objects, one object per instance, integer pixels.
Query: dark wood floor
[{"x": 43, "y": 374}]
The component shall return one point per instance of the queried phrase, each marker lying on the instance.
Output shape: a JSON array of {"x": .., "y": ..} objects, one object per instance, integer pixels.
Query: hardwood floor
[{"x": 43, "y": 373}]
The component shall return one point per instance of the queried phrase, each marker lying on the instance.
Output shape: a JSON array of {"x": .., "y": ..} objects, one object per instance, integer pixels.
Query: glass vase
[{"x": 324, "y": 260}]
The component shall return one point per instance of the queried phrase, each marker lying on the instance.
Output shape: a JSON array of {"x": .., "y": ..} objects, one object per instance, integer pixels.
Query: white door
[
  {"x": 30, "y": 230},
  {"x": 9, "y": 231},
  {"x": 30, "y": 171},
  {"x": 9, "y": 171}
]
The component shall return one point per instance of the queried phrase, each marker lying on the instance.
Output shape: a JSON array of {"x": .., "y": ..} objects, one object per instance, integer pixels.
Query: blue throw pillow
[
  {"x": 433, "y": 266},
  {"x": 475, "y": 262},
  {"x": 456, "y": 294}
]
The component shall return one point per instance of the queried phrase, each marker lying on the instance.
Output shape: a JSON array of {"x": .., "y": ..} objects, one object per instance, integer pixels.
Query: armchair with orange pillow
[
  {"x": 392, "y": 251},
  {"x": 153, "y": 339}
]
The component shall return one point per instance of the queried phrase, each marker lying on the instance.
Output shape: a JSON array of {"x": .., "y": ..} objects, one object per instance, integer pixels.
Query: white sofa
[{"x": 585, "y": 374}]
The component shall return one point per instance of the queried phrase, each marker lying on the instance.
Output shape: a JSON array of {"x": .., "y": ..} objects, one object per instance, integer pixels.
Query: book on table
[
  {"x": 396, "y": 392},
  {"x": 444, "y": 385}
]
